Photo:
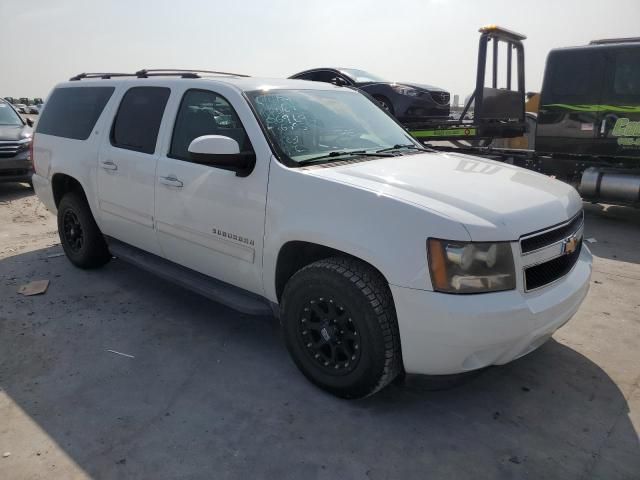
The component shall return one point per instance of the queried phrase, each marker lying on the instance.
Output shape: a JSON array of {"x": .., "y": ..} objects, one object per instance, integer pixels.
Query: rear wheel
[
  {"x": 340, "y": 327},
  {"x": 81, "y": 239}
]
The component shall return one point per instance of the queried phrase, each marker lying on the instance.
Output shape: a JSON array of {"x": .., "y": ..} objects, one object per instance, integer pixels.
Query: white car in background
[{"x": 309, "y": 201}]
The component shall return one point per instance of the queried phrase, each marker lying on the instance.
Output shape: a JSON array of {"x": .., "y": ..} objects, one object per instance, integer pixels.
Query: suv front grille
[
  {"x": 551, "y": 252},
  {"x": 9, "y": 149},
  {"x": 549, "y": 237},
  {"x": 548, "y": 272}
]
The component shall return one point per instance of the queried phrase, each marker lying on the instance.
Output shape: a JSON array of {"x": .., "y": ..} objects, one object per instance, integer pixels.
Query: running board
[{"x": 216, "y": 290}]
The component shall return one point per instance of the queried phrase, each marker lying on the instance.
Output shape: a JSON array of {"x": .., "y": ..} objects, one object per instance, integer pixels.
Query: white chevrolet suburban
[{"x": 307, "y": 200}]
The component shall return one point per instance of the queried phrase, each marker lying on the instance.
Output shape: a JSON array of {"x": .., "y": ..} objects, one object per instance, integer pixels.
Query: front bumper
[
  {"x": 446, "y": 334},
  {"x": 16, "y": 169}
]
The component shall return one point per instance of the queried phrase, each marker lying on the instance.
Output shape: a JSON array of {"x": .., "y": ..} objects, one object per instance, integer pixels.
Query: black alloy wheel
[
  {"x": 340, "y": 327},
  {"x": 330, "y": 336},
  {"x": 72, "y": 230},
  {"x": 81, "y": 239}
]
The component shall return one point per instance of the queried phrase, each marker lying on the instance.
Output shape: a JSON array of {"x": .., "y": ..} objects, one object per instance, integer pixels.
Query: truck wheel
[
  {"x": 81, "y": 239},
  {"x": 340, "y": 327}
]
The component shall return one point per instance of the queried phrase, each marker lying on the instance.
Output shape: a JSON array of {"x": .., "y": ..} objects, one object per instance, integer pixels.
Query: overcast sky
[{"x": 43, "y": 42}]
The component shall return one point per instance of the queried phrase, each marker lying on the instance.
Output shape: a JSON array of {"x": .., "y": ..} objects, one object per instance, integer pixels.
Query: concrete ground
[{"x": 210, "y": 393}]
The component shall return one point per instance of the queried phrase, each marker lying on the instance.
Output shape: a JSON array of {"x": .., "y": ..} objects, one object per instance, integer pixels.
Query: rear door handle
[
  {"x": 171, "y": 181},
  {"x": 109, "y": 165}
]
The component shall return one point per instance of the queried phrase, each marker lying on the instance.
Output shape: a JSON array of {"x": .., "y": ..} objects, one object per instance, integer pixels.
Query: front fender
[{"x": 383, "y": 231}]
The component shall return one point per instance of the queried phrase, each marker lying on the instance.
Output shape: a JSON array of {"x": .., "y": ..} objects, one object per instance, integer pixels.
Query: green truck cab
[
  {"x": 589, "y": 118},
  {"x": 591, "y": 100}
]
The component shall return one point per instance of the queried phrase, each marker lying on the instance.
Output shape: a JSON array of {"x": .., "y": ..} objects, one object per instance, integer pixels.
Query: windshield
[
  {"x": 360, "y": 76},
  {"x": 8, "y": 116},
  {"x": 305, "y": 124}
]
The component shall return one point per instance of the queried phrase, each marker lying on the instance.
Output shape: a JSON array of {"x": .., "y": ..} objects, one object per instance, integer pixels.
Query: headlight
[
  {"x": 404, "y": 90},
  {"x": 470, "y": 267}
]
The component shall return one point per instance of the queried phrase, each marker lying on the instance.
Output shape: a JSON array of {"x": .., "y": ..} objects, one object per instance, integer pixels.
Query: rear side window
[
  {"x": 138, "y": 119},
  {"x": 73, "y": 112},
  {"x": 305, "y": 76},
  {"x": 318, "y": 76},
  {"x": 325, "y": 76}
]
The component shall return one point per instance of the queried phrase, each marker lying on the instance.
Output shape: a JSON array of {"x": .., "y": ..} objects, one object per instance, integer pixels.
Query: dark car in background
[
  {"x": 15, "y": 145},
  {"x": 408, "y": 102}
]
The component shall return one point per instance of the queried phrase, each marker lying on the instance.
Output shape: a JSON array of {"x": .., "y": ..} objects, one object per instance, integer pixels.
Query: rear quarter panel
[{"x": 76, "y": 158}]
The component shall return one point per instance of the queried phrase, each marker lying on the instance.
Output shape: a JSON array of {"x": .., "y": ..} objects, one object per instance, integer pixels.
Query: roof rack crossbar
[
  {"x": 145, "y": 72},
  {"x": 148, "y": 73}
]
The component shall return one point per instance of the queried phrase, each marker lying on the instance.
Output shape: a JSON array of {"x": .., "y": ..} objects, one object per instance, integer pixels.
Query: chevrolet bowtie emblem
[{"x": 570, "y": 244}]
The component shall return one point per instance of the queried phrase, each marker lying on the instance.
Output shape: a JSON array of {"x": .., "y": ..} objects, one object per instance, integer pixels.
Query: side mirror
[
  {"x": 29, "y": 122},
  {"x": 339, "y": 81},
  {"x": 221, "y": 152}
]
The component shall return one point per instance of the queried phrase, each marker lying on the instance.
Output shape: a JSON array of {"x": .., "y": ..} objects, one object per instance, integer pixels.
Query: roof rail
[
  {"x": 186, "y": 73},
  {"x": 153, "y": 72},
  {"x": 103, "y": 75},
  {"x": 606, "y": 41}
]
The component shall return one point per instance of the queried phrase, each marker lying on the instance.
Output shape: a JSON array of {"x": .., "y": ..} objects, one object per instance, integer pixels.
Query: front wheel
[
  {"x": 81, "y": 239},
  {"x": 340, "y": 327}
]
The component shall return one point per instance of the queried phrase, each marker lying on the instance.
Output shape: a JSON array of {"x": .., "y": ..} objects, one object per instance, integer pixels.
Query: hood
[
  {"x": 10, "y": 133},
  {"x": 420, "y": 86},
  {"x": 493, "y": 200}
]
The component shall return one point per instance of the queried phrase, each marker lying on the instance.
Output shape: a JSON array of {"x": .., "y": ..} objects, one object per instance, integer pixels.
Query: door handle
[
  {"x": 109, "y": 165},
  {"x": 171, "y": 181},
  {"x": 603, "y": 126}
]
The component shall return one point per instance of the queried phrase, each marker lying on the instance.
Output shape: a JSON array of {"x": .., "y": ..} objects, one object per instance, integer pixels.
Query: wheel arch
[
  {"x": 62, "y": 183},
  {"x": 296, "y": 254}
]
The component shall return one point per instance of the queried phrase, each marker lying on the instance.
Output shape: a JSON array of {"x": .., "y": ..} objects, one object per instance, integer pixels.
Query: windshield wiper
[
  {"x": 338, "y": 153},
  {"x": 410, "y": 146}
]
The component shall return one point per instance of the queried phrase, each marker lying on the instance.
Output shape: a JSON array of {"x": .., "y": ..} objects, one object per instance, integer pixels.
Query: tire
[
  {"x": 385, "y": 103},
  {"x": 81, "y": 239},
  {"x": 355, "y": 350}
]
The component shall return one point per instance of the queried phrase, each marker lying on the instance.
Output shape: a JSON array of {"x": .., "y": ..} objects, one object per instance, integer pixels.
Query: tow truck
[{"x": 587, "y": 129}]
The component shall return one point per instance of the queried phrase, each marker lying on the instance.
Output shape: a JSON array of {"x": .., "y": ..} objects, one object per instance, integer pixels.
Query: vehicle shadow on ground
[
  {"x": 614, "y": 224},
  {"x": 211, "y": 393},
  {"x": 14, "y": 191}
]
